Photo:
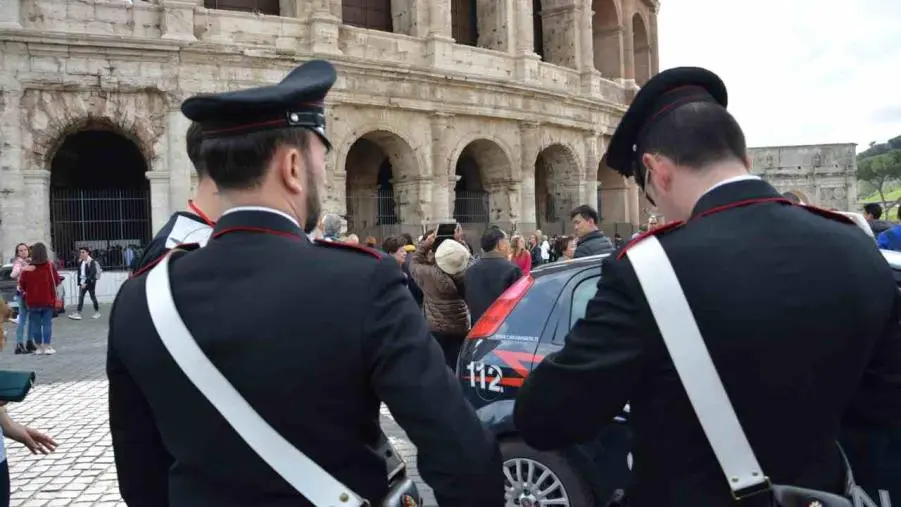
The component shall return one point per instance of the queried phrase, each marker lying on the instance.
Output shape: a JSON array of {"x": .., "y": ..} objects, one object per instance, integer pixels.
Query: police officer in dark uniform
[
  {"x": 191, "y": 226},
  {"x": 804, "y": 333},
  {"x": 313, "y": 335}
]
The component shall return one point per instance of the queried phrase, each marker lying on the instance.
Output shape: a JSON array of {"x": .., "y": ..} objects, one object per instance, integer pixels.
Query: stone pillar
[
  {"x": 628, "y": 45},
  {"x": 177, "y": 19},
  {"x": 504, "y": 203},
  {"x": 497, "y": 22},
  {"x": 411, "y": 17},
  {"x": 655, "y": 47},
  {"x": 408, "y": 194},
  {"x": 526, "y": 69},
  {"x": 325, "y": 28},
  {"x": 530, "y": 141},
  {"x": 10, "y": 15},
  {"x": 592, "y": 159},
  {"x": 634, "y": 200},
  {"x": 178, "y": 164},
  {"x": 160, "y": 202},
  {"x": 439, "y": 41},
  {"x": 565, "y": 48},
  {"x": 443, "y": 189},
  {"x": 13, "y": 205},
  {"x": 36, "y": 196}
]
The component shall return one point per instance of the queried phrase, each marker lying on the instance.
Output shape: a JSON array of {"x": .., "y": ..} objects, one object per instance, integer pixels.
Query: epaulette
[
  {"x": 825, "y": 213},
  {"x": 349, "y": 246},
  {"x": 656, "y": 231},
  {"x": 187, "y": 247}
]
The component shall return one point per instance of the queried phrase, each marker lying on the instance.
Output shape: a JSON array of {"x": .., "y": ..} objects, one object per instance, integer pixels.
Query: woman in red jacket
[{"x": 38, "y": 282}]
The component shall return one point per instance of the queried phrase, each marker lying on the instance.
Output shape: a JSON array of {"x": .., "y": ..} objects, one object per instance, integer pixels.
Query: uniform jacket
[
  {"x": 486, "y": 280},
  {"x": 445, "y": 308},
  {"x": 342, "y": 334},
  {"x": 798, "y": 357},
  {"x": 593, "y": 243},
  {"x": 183, "y": 227}
]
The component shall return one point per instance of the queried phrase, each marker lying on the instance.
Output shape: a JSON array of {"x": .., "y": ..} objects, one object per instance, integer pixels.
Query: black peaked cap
[
  {"x": 663, "y": 93},
  {"x": 296, "y": 101}
]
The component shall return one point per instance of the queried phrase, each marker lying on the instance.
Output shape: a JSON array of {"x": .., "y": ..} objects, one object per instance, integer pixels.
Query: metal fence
[
  {"x": 472, "y": 207},
  {"x": 113, "y": 223},
  {"x": 374, "y": 214}
]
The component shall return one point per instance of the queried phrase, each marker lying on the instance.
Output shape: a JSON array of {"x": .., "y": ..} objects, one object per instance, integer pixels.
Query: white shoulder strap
[
  {"x": 693, "y": 364},
  {"x": 308, "y": 478}
]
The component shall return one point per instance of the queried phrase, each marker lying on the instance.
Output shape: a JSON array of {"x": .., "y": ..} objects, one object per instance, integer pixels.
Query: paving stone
[{"x": 69, "y": 402}]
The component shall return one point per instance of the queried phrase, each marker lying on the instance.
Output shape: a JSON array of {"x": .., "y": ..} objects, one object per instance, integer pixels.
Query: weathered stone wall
[
  {"x": 418, "y": 96},
  {"x": 822, "y": 175}
]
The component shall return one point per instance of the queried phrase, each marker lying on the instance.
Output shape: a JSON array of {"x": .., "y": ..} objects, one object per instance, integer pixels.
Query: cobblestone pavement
[{"x": 69, "y": 402}]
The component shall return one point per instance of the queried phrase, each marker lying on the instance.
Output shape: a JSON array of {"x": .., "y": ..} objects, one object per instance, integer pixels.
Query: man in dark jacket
[
  {"x": 487, "y": 279},
  {"x": 592, "y": 241},
  {"x": 410, "y": 247},
  {"x": 873, "y": 214},
  {"x": 797, "y": 357}
]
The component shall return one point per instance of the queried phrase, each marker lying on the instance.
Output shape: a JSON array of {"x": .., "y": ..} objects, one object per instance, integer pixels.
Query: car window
[
  {"x": 581, "y": 295},
  {"x": 528, "y": 319},
  {"x": 6, "y": 274}
]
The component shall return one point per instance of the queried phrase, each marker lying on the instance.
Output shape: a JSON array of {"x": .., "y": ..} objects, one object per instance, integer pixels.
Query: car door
[{"x": 607, "y": 457}]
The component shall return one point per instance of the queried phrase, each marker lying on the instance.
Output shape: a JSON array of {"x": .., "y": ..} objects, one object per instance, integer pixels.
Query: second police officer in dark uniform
[
  {"x": 313, "y": 335},
  {"x": 797, "y": 307}
]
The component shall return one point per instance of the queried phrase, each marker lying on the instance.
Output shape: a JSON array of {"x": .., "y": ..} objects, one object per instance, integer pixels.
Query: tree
[{"x": 878, "y": 170}]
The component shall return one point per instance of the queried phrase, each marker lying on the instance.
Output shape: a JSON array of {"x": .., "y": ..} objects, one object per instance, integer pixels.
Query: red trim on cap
[
  {"x": 348, "y": 246},
  {"x": 248, "y": 126},
  {"x": 263, "y": 230}
]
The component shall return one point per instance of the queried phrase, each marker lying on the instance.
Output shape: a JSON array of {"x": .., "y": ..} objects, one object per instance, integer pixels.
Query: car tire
[{"x": 576, "y": 489}]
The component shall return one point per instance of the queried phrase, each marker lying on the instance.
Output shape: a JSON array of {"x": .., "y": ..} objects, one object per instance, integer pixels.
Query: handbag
[
  {"x": 15, "y": 385},
  {"x": 298, "y": 470},
  {"x": 58, "y": 303},
  {"x": 707, "y": 395}
]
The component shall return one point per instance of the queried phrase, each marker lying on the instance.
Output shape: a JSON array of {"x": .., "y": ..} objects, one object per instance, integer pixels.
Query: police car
[{"x": 529, "y": 321}]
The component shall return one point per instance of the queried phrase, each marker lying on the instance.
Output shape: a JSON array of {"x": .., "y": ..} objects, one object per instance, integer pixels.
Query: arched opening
[
  {"x": 374, "y": 204},
  {"x": 465, "y": 22},
  {"x": 257, "y": 6},
  {"x": 99, "y": 198},
  {"x": 537, "y": 29},
  {"x": 372, "y": 14},
  {"x": 607, "y": 36},
  {"x": 479, "y": 196},
  {"x": 642, "y": 47},
  {"x": 556, "y": 188}
]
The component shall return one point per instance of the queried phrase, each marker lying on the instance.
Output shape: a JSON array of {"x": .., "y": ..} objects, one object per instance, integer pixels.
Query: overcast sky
[{"x": 797, "y": 71}]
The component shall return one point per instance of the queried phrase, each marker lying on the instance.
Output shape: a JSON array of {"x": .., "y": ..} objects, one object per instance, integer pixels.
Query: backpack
[{"x": 98, "y": 269}]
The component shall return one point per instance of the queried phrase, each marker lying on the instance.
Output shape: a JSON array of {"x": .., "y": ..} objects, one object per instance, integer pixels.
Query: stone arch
[
  {"x": 381, "y": 178},
  {"x": 796, "y": 196},
  {"x": 557, "y": 189},
  {"x": 607, "y": 37},
  {"x": 483, "y": 169},
  {"x": 641, "y": 45},
  {"x": 99, "y": 196}
]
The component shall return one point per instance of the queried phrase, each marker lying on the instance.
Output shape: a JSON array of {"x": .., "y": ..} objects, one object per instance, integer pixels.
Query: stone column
[
  {"x": 563, "y": 22},
  {"x": 177, "y": 21},
  {"x": 439, "y": 41},
  {"x": 325, "y": 28},
  {"x": 178, "y": 164},
  {"x": 526, "y": 68},
  {"x": 10, "y": 14},
  {"x": 13, "y": 204},
  {"x": 504, "y": 203},
  {"x": 160, "y": 202},
  {"x": 530, "y": 141},
  {"x": 592, "y": 159},
  {"x": 408, "y": 194},
  {"x": 590, "y": 77},
  {"x": 497, "y": 22},
  {"x": 445, "y": 180},
  {"x": 628, "y": 45},
  {"x": 411, "y": 17},
  {"x": 36, "y": 196},
  {"x": 655, "y": 47}
]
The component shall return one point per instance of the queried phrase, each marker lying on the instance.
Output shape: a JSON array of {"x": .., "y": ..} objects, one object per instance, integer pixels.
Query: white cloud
[{"x": 797, "y": 71}]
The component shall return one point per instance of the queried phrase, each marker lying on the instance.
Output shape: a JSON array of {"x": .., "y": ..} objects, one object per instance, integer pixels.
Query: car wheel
[{"x": 533, "y": 478}]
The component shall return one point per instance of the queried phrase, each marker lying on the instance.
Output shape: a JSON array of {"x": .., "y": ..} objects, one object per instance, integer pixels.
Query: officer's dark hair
[
  {"x": 39, "y": 254},
  {"x": 392, "y": 244},
  {"x": 240, "y": 162},
  {"x": 193, "y": 140},
  {"x": 408, "y": 239},
  {"x": 586, "y": 212},
  {"x": 696, "y": 135},
  {"x": 874, "y": 209},
  {"x": 491, "y": 238}
]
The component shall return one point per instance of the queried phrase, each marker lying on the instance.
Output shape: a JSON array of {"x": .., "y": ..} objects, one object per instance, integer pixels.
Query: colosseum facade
[{"x": 488, "y": 111}]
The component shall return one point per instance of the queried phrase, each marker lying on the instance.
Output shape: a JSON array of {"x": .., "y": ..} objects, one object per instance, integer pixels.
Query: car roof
[{"x": 580, "y": 263}]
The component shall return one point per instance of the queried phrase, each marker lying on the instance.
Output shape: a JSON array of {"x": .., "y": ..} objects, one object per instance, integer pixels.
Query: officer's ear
[
  {"x": 659, "y": 171},
  {"x": 289, "y": 165}
]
